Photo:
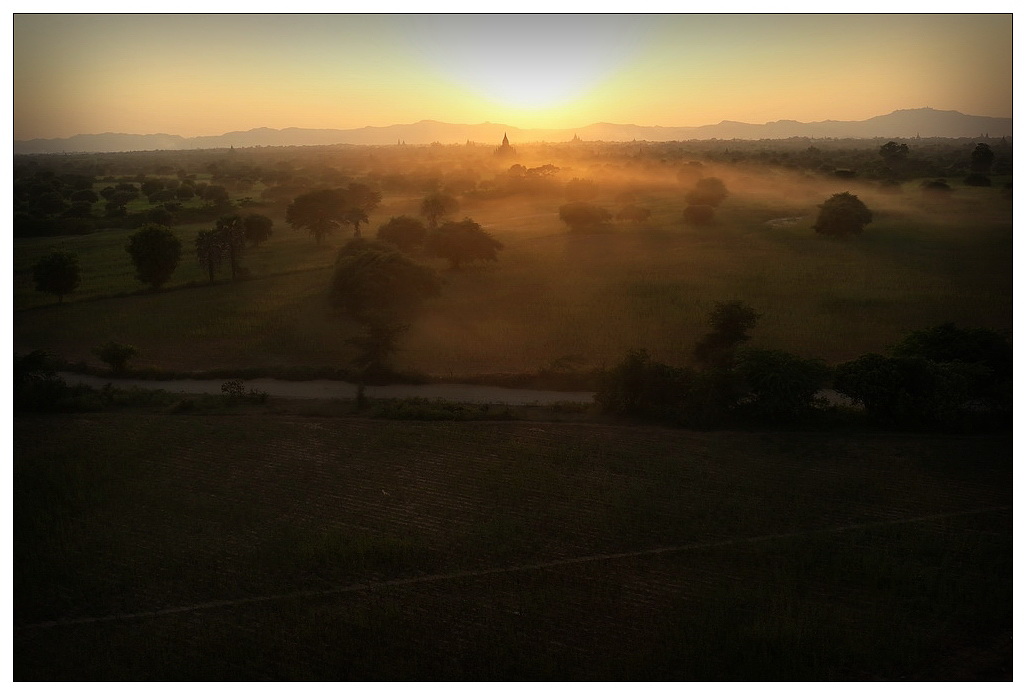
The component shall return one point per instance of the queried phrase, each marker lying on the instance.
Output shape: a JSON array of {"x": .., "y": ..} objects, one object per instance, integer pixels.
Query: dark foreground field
[{"x": 252, "y": 547}]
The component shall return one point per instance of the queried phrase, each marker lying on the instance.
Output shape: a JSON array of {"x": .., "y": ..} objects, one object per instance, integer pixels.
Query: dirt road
[{"x": 326, "y": 389}]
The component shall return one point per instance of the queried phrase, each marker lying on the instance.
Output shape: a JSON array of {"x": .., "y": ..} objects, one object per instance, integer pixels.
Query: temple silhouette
[{"x": 504, "y": 150}]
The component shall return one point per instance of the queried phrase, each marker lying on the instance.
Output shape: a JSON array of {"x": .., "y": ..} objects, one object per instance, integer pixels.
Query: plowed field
[{"x": 161, "y": 547}]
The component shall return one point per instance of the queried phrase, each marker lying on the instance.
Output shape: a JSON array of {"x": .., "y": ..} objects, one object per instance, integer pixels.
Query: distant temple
[{"x": 505, "y": 150}]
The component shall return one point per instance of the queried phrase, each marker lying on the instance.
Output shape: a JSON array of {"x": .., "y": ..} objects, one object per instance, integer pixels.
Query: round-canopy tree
[
  {"x": 257, "y": 228},
  {"x": 709, "y": 191},
  {"x": 404, "y": 231},
  {"x": 320, "y": 212},
  {"x": 57, "y": 273},
  {"x": 462, "y": 242},
  {"x": 155, "y": 251},
  {"x": 583, "y": 217},
  {"x": 842, "y": 214}
]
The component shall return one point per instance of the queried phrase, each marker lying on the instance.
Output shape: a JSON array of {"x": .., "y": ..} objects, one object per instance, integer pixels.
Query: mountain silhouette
[{"x": 907, "y": 123}]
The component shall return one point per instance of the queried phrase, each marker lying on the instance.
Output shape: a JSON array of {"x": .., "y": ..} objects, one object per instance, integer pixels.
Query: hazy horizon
[{"x": 195, "y": 75}]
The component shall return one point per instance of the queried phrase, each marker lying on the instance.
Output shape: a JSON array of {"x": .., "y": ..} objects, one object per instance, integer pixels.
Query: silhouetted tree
[
  {"x": 257, "y": 228},
  {"x": 362, "y": 197},
  {"x": 322, "y": 212},
  {"x": 462, "y": 242},
  {"x": 87, "y": 195},
  {"x": 209, "y": 251},
  {"x": 779, "y": 386},
  {"x": 982, "y": 158},
  {"x": 382, "y": 290},
  {"x": 232, "y": 237},
  {"x": 893, "y": 153},
  {"x": 583, "y": 217},
  {"x": 438, "y": 205},
  {"x": 115, "y": 355},
  {"x": 842, "y": 214},
  {"x": 405, "y": 232},
  {"x": 217, "y": 196},
  {"x": 155, "y": 251},
  {"x": 57, "y": 273},
  {"x": 709, "y": 191},
  {"x": 355, "y": 216},
  {"x": 730, "y": 322}
]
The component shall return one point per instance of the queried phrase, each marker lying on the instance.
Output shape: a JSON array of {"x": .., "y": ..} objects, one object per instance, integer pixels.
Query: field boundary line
[{"x": 367, "y": 586}]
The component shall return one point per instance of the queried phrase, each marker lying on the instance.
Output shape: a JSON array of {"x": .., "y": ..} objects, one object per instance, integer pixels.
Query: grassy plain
[
  {"x": 554, "y": 294},
  {"x": 793, "y": 556}
]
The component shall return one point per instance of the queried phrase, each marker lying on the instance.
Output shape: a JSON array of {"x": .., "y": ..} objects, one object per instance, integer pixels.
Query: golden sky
[{"x": 209, "y": 74}]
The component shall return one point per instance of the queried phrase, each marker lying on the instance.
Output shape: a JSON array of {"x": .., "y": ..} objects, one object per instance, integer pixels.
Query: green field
[
  {"x": 262, "y": 547},
  {"x": 554, "y": 294}
]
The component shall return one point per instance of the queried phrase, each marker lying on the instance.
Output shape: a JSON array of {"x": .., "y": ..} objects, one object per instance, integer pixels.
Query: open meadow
[{"x": 151, "y": 546}]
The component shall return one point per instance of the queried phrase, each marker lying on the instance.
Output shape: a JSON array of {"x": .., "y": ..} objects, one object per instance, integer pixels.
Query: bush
[
  {"x": 57, "y": 273},
  {"x": 841, "y": 215},
  {"x": 638, "y": 387},
  {"x": 937, "y": 188},
  {"x": 709, "y": 191},
  {"x": 977, "y": 180},
  {"x": 907, "y": 392},
  {"x": 115, "y": 355},
  {"x": 780, "y": 387}
]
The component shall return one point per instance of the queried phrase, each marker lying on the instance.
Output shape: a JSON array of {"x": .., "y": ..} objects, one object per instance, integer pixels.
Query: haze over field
[
  {"x": 193, "y": 75},
  {"x": 703, "y": 324}
]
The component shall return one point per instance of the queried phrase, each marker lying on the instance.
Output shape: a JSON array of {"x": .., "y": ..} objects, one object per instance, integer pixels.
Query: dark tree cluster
[
  {"x": 225, "y": 242},
  {"x": 326, "y": 211},
  {"x": 584, "y": 217},
  {"x": 732, "y": 384},
  {"x": 942, "y": 378}
]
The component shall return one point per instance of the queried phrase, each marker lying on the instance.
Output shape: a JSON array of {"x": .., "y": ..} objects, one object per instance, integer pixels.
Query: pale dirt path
[{"x": 328, "y": 389}]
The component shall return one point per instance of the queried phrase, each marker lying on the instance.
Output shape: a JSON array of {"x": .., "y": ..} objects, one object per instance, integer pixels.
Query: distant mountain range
[{"x": 907, "y": 123}]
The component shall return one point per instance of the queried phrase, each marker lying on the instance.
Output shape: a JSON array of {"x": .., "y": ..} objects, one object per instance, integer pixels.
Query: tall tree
[
  {"x": 382, "y": 290},
  {"x": 730, "y": 322},
  {"x": 209, "y": 251},
  {"x": 155, "y": 251},
  {"x": 232, "y": 236},
  {"x": 438, "y": 205}
]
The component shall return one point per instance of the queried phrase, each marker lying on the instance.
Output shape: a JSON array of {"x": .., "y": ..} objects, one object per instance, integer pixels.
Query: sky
[{"x": 207, "y": 74}]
